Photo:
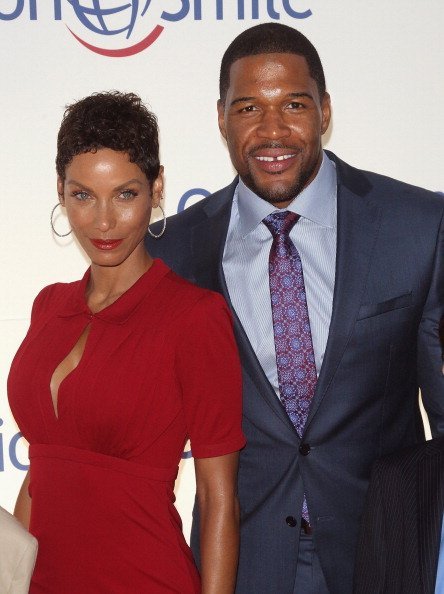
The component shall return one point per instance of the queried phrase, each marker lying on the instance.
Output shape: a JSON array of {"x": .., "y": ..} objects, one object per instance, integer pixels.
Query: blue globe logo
[
  {"x": 97, "y": 16},
  {"x": 105, "y": 18}
]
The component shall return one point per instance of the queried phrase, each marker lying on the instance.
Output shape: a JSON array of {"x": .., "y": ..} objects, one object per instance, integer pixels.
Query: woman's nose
[{"x": 104, "y": 217}]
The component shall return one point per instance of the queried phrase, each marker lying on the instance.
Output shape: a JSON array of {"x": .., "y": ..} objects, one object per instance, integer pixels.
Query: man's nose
[{"x": 273, "y": 125}]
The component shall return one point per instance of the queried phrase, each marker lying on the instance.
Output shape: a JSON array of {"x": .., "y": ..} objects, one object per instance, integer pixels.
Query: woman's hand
[{"x": 216, "y": 480}]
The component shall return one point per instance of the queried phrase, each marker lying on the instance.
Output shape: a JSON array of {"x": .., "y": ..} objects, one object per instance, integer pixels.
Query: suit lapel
[
  {"x": 208, "y": 242},
  {"x": 254, "y": 370},
  {"x": 430, "y": 498},
  {"x": 357, "y": 227}
]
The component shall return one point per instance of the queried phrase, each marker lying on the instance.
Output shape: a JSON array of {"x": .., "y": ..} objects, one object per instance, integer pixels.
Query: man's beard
[{"x": 278, "y": 195}]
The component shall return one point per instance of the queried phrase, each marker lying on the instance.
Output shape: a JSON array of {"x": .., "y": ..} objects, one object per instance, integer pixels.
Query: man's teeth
[{"x": 280, "y": 158}]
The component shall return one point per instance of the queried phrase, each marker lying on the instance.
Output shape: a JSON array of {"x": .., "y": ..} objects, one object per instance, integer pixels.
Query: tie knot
[{"x": 281, "y": 223}]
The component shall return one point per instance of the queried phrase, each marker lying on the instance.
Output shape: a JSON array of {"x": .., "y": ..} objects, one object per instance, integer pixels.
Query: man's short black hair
[{"x": 271, "y": 38}]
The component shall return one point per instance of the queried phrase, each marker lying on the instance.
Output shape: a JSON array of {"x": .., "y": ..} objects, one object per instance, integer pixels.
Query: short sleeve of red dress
[{"x": 209, "y": 368}]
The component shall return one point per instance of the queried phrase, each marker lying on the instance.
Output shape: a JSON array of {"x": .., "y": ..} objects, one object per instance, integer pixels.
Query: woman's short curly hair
[{"x": 114, "y": 120}]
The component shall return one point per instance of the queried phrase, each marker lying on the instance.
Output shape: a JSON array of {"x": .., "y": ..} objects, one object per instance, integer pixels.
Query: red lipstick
[{"x": 106, "y": 244}]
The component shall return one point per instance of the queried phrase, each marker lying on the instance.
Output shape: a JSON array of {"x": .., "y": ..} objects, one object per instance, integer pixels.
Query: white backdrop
[{"x": 383, "y": 64}]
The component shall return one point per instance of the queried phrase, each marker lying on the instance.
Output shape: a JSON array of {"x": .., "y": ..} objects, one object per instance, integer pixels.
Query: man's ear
[
  {"x": 221, "y": 118},
  {"x": 326, "y": 112}
]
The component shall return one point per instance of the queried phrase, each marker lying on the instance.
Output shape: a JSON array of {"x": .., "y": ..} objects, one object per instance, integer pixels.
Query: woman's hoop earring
[
  {"x": 163, "y": 226},
  {"x": 52, "y": 223}
]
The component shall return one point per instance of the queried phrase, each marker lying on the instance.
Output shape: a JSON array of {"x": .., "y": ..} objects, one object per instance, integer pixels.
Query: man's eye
[
  {"x": 295, "y": 105},
  {"x": 248, "y": 108}
]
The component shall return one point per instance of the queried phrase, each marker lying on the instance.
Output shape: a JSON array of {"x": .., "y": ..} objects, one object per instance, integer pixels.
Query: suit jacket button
[
  {"x": 304, "y": 449},
  {"x": 290, "y": 521}
]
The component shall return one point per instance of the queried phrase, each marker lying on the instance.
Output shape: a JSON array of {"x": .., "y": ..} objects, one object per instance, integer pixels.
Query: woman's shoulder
[
  {"x": 182, "y": 302},
  {"x": 189, "y": 294},
  {"x": 50, "y": 296}
]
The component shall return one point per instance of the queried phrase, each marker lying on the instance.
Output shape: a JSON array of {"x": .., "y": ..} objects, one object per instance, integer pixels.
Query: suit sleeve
[
  {"x": 430, "y": 346},
  {"x": 371, "y": 566}
]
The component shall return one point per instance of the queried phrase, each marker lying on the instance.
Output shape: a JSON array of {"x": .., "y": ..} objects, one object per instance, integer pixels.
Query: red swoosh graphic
[{"x": 127, "y": 51}]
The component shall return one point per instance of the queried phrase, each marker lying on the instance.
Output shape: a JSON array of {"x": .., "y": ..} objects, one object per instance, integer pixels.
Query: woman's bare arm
[{"x": 216, "y": 489}]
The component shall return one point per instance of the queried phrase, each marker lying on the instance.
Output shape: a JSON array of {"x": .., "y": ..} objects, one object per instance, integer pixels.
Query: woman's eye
[
  {"x": 81, "y": 195},
  {"x": 127, "y": 194}
]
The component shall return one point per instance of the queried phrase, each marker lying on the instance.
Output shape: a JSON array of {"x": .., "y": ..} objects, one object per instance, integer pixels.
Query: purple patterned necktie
[{"x": 295, "y": 360}]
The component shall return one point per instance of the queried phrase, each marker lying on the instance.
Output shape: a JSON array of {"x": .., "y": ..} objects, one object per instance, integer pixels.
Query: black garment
[{"x": 401, "y": 530}]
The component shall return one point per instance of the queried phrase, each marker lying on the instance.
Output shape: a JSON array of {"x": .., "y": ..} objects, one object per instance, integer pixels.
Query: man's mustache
[{"x": 274, "y": 145}]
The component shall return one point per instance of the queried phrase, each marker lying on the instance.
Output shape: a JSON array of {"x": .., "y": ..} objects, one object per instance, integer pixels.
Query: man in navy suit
[{"x": 367, "y": 253}]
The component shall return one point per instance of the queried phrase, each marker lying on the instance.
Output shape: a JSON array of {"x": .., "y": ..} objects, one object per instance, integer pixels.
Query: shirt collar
[
  {"x": 316, "y": 202},
  {"x": 123, "y": 307}
]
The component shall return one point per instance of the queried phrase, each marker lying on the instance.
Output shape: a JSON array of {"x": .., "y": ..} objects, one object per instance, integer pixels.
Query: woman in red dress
[{"x": 116, "y": 372}]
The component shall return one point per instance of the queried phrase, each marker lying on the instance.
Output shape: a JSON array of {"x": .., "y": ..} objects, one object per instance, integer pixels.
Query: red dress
[{"x": 160, "y": 365}]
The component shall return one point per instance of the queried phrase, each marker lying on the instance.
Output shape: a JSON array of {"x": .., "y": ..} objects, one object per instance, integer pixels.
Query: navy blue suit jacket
[{"x": 383, "y": 345}]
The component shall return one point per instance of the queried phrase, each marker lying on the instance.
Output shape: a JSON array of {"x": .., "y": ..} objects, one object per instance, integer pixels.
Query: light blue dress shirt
[
  {"x": 245, "y": 263},
  {"x": 439, "y": 586}
]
